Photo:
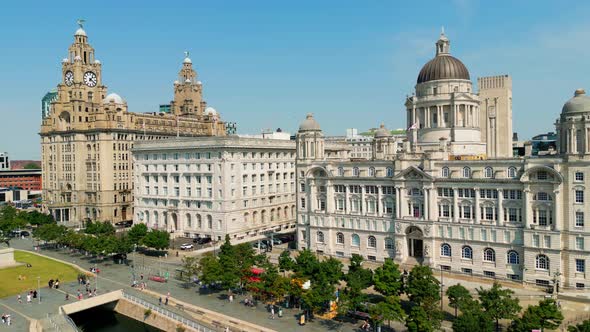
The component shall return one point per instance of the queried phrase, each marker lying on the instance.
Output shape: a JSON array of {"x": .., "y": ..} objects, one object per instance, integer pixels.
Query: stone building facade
[
  {"x": 87, "y": 136},
  {"x": 209, "y": 187},
  {"x": 447, "y": 199}
]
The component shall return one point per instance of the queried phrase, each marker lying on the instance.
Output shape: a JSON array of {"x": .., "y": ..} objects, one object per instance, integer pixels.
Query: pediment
[{"x": 413, "y": 173}]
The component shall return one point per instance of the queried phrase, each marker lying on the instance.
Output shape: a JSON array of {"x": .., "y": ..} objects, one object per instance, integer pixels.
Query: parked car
[
  {"x": 262, "y": 245},
  {"x": 186, "y": 246},
  {"x": 287, "y": 238},
  {"x": 127, "y": 223},
  {"x": 202, "y": 240},
  {"x": 276, "y": 241},
  {"x": 19, "y": 233}
]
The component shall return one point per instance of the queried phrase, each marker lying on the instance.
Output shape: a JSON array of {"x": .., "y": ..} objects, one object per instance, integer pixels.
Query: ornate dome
[
  {"x": 80, "y": 32},
  {"x": 210, "y": 111},
  {"x": 444, "y": 65},
  {"x": 579, "y": 103},
  {"x": 309, "y": 123},
  {"x": 113, "y": 98},
  {"x": 382, "y": 132}
]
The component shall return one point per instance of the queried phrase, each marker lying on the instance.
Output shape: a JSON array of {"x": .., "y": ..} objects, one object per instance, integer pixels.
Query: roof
[
  {"x": 443, "y": 66},
  {"x": 309, "y": 124},
  {"x": 578, "y": 103}
]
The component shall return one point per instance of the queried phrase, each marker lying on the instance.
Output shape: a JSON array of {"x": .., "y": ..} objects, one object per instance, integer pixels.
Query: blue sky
[{"x": 265, "y": 64}]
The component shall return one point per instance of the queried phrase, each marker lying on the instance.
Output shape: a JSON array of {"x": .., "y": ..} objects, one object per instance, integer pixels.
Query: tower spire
[{"x": 443, "y": 45}]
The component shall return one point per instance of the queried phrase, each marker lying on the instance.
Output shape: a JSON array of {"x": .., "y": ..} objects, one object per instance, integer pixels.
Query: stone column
[
  {"x": 347, "y": 200},
  {"x": 380, "y": 207},
  {"x": 363, "y": 203},
  {"x": 527, "y": 208},
  {"x": 557, "y": 217},
  {"x": 455, "y": 206},
  {"x": 500, "y": 207},
  {"x": 398, "y": 202},
  {"x": 476, "y": 212},
  {"x": 426, "y": 214},
  {"x": 330, "y": 206}
]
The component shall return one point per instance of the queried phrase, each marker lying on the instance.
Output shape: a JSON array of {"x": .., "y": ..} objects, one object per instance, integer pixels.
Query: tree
[
  {"x": 229, "y": 265},
  {"x": 473, "y": 320},
  {"x": 156, "y": 239},
  {"x": 422, "y": 286},
  {"x": 209, "y": 268},
  {"x": 307, "y": 264},
  {"x": 388, "y": 279},
  {"x": 582, "y": 327},
  {"x": 545, "y": 315},
  {"x": 357, "y": 279},
  {"x": 498, "y": 303},
  {"x": 418, "y": 320},
  {"x": 388, "y": 310},
  {"x": 37, "y": 218},
  {"x": 458, "y": 296},
  {"x": 320, "y": 294},
  {"x": 11, "y": 219},
  {"x": 98, "y": 227},
  {"x": 190, "y": 264},
  {"x": 137, "y": 233},
  {"x": 331, "y": 268},
  {"x": 285, "y": 261}
]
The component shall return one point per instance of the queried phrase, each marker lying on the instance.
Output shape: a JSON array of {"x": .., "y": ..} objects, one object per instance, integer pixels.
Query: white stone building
[
  {"x": 454, "y": 198},
  {"x": 212, "y": 186}
]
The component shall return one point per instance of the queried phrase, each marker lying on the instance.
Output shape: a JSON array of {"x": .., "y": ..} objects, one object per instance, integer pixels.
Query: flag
[{"x": 414, "y": 126}]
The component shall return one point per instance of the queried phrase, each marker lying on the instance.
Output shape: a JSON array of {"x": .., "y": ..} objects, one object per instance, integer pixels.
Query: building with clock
[
  {"x": 87, "y": 135},
  {"x": 454, "y": 197}
]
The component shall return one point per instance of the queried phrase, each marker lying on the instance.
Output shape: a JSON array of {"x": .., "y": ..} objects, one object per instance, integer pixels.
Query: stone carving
[
  {"x": 426, "y": 250},
  {"x": 427, "y": 230},
  {"x": 398, "y": 227},
  {"x": 398, "y": 245}
]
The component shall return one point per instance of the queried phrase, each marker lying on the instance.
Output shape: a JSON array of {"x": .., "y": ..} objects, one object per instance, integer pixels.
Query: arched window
[
  {"x": 511, "y": 172},
  {"x": 389, "y": 172},
  {"x": 355, "y": 240},
  {"x": 209, "y": 222},
  {"x": 371, "y": 171},
  {"x": 488, "y": 172},
  {"x": 444, "y": 172},
  {"x": 356, "y": 172},
  {"x": 489, "y": 255},
  {"x": 542, "y": 262},
  {"x": 513, "y": 257},
  {"x": 320, "y": 237},
  {"x": 467, "y": 252},
  {"x": 340, "y": 171},
  {"x": 372, "y": 242},
  {"x": 189, "y": 223},
  {"x": 466, "y": 172},
  {"x": 415, "y": 192},
  {"x": 339, "y": 238},
  {"x": 445, "y": 250},
  {"x": 200, "y": 223},
  {"x": 389, "y": 244}
]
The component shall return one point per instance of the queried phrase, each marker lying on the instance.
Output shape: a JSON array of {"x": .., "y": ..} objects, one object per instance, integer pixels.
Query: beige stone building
[
  {"x": 86, "y": 138},
  {"x": 454, "y": 198},
  {"x": 213, "y": 186}
]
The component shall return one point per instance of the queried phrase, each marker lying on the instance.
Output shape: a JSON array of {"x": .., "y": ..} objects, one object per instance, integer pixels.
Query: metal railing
[{"x": 166, "y": 313}]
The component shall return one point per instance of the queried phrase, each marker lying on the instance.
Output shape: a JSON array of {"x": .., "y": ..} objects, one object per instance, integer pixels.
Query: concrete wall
[{"x": 137, "y": 312}]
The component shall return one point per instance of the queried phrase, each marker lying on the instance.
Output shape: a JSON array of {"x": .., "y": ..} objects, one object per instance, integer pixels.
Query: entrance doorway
[{"x": 415, "y": 242}]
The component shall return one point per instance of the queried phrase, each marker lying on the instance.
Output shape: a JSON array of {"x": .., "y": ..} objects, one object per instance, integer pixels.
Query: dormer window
[
  {"x": 466, "y": 172},
  {"x": 445, "y": 172},
  {"x": 489, "y": 172}
]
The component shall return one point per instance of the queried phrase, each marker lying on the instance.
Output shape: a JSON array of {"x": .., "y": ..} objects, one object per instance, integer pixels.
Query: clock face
[
  {"x": 90, "y": 79},
  {"x": 69, "y": 78}
]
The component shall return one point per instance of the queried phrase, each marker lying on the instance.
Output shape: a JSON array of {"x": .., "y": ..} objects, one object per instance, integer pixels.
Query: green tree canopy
[
  {"x": 545, "y": 315},
  {"x": 190, "y": 264},
  {"x": 388, "y": 310},
  {"x": 307, "y": 264},
  {"x": 285, "y": 261},
  {"x": 31, "y": 165},
  {"x": 137, "y": 233},
  {"x": 473, "y": 320},
  {"x": 498, "y": 303},
  {"x": 582, "y": 327},
  {"x": 156, "y": 239},
  {"x": 418, "y": 320},
  {"x": 422, "y": 286},
  {"x": 228, "y": 261},
  {"x": 458, "y": 296},
  {"x": 98, "y": 227},
  {"x": 209, "y": 268},
  {"x": 388, "y": 279}
]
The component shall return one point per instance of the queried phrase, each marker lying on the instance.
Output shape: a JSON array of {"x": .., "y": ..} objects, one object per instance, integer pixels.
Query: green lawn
[{"x": 41, "y": 267}]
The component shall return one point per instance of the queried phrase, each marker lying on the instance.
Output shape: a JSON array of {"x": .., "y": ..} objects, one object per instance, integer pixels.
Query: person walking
[
  {"x": 160, "y": 301},
  {"x": 272, "y": 312},
  {"x": 19, "y": 298},
  {"x": 29, "y": 298}
]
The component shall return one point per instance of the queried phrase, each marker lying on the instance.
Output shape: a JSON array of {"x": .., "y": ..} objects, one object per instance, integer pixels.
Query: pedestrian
[
  {"x": 19, "y": 299},
  {"x": 280, "y": 312},
  {"x": 29, "y": 298},
  {"x": 166, "y": 255},
  {"x": 8, "y": 320},
  {"x": 67, "y": 296},
  {"x": 141, "y": 276},
  {"x": 35, "y": 294},
  {"x": 272, "y": 312},
  {"x": 231, "y": 298},
  {"x": 166, "y": 303},
  {"x": 160, "y": 301},
  {"x": 94, "y": 292},
  {"x": 57, "y": 284}
]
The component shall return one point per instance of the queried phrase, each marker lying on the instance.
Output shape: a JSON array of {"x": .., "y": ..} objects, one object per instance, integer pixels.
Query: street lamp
[
  {"x": 39, "y": 288},
  {"x": 96, "y": 276},
  {"x": 442, "y": 285},
  {"x": 556, "y": 281}
]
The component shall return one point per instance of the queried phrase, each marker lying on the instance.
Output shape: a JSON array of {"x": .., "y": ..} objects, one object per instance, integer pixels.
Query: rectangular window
[
  {"x": 580, "y": 285},
  {"x": 547, "y": 241},
  {"x": 303, "y": 203},
  {"x": 579, "y": 196},
  {"x": 579, "y": 176},
  {"x": 484, "y": 235},
  {"x": 489, "y": 274},
  {"x": 462, "y": 233},
  {"x": 536, "y": 240},
  {"x": 512, "y": 215},
  {"x": 542, "y": 217},
  {"x": 467, "y": 212},
  {"x": 466, "y": 270},
  {"x": 579, "y": 219},
  {"x": 579, "y": 243},
  {"x": 580, "y": 265}
]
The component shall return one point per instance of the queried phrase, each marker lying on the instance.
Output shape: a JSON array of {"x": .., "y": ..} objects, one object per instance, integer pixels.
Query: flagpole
[{"x": 177, "y": 128}]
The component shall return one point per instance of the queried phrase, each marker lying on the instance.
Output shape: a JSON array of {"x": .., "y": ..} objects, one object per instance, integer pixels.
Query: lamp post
[
  {"x": 442, "y": 285},
  {"x": 39, "y": 288},
  {"x": 96, "y": 276}
]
